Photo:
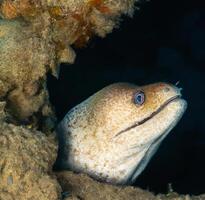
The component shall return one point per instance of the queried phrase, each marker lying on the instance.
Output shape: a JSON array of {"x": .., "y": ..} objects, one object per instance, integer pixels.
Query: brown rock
[
  {"x": 83, "y": 187},
  {"x": 36, "y": 36},
  {"x": 23, "y": 60},
  {"x": 80, "y": 186},
  {"x": 26, "y": 162}
]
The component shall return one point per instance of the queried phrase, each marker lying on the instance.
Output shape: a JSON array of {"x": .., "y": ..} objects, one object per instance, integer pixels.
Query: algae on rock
[
  {"x": 80, "y": 186},
  {"x": 26, "y": 164},
  {"x": 35, "y": 37},
  {"x": 23, "y": 58}
]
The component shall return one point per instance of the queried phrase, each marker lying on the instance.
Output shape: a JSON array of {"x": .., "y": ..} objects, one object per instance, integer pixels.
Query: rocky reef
[
  {"x": 80, "y": 186},
  {"x": 35, "y": 37},
  {"x": 26, "y": 164}
]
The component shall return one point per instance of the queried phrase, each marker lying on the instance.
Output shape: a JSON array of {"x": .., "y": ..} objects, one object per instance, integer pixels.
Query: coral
[
  {"x": 80, "y": 186},
  {"x": 97, "y": 16},
  {"x": 70, "y": 22},
  {"x": 83, "y": 187},
  {"x": 26, "y": 161},
  {"x": 36, "y": 36},
  {"x": 23, "y": 60}
]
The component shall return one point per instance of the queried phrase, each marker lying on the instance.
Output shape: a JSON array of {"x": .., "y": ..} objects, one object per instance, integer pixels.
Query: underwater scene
[{"x": 102, "y": 99}]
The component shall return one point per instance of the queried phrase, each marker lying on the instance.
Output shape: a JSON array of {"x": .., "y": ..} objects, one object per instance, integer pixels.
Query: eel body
[{"x": 113, "y": 134}]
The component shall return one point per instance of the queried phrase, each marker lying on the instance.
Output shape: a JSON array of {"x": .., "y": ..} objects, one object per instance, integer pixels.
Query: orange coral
[
  {"x": 12, "y": 9},
  {"x": 84, "y": 37},
  {"x": 83, "y": 20},
  {"x": 87, "y": 22},
  {"x": 85, "y": 30},
  {"x": 8, "y": 10},
  {"x": 99, "y": 5},
  {"x": 56, "y": 12}
]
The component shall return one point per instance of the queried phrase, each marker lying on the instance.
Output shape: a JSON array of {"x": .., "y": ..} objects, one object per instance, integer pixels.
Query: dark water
[{"x": 165, "y": 41}]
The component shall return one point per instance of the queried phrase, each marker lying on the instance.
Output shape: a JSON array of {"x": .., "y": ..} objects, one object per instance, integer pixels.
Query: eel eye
[{"x": 139, "y": 98}]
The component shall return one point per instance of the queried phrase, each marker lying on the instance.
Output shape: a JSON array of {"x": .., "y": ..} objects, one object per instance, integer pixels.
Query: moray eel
[{"x": 113, "y": 134}]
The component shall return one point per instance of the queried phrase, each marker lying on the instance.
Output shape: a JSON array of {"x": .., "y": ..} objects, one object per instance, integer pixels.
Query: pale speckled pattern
[{"x": 87, "y": 133}]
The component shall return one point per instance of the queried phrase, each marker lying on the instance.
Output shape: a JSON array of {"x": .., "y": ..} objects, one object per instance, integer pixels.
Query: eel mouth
[{"x": 150, "y": 116}]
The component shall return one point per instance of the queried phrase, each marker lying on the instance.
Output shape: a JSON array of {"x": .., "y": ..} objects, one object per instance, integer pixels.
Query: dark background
[{"x": 165, "y": 41}]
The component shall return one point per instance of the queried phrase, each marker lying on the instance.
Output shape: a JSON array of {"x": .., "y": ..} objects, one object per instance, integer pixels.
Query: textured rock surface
[
  {"x": 23, "y": 61},
  {"x": 80, "y": 186},
  {"x": 82, "y": 16},
  {"x": 25, "y": 165},
  {"x": 36, "y": 36}
]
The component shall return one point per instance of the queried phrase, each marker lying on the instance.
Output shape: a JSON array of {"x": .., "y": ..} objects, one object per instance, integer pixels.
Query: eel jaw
[
  {"x": 148, "y": 155},
  {"x": 150, "y": 116},
  {"x": 154, "y": 145}
]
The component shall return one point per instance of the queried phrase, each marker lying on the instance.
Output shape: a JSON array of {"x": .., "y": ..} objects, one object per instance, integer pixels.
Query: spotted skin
[{"x": 111, "y": 138}]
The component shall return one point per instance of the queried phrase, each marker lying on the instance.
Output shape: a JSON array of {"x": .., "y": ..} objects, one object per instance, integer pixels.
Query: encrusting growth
[{"x": 36, "y": 36}]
